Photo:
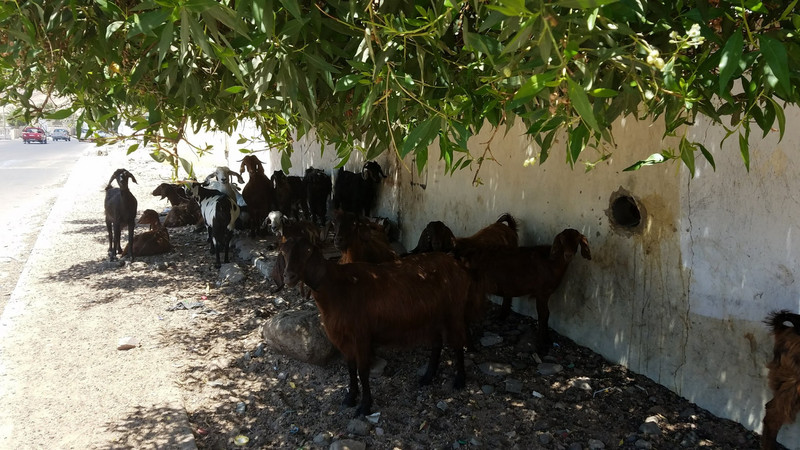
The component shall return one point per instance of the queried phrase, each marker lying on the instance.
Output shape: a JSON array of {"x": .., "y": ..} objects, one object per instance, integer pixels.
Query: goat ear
[
  {"x": 130, "y": 175},
  {"x": 585, "y": 252},
  {"x": 241, "y": 168}
]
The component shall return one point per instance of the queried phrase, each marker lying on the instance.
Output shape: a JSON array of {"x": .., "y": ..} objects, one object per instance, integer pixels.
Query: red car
[{"x": 34, "y": 134}]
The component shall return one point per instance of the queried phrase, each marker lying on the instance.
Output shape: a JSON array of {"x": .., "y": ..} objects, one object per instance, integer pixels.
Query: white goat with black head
[
  {"x": 219, "y": 213},
  {"x": 120, "y": 206}
]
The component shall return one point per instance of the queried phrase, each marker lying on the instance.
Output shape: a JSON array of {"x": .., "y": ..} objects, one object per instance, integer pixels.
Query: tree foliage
[{"x": 395, "y": 75}]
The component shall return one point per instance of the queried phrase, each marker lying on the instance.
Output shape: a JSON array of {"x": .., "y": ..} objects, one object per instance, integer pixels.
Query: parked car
[
  {"x": 33, "y": 134},
  {"x": 60, "y": 134}
]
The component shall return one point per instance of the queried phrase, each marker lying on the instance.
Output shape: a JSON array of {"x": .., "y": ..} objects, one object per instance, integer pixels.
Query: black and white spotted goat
[
  {"x": 120, "y": 206},
  {"x": 219, "y": 213}
]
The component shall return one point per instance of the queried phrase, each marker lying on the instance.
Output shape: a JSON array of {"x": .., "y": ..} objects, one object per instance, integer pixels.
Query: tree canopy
[{"x": 394, "y": 75}]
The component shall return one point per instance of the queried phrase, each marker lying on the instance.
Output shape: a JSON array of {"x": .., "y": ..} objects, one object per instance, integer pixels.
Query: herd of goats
[{"x": 372, "y": 295}]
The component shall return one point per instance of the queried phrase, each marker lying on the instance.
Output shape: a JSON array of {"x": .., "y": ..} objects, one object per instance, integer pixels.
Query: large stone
[{"x": 299, "y": 334}]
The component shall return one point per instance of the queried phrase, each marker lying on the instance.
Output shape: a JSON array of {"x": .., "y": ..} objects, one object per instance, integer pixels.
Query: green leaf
[
  {"x": 533, "y": 86},
  {"x": 584, "y": 4},
  {"x": 580, "y": 101},
  {"x": 744, "y": 148},
  {"x": 655, "y": 158},
  {"x": 687, "y": 155},
  {"x": 483, "y": 44},
  {"x": 187, "y": 167},
  {"x": 132, "y": 148},
  {"x": 780, "y": 115},
  {"x": 709, "y": 157},
  {"x": 729, "y": 61},
  {"x": 347, "y": 82},
  {"x": 421, "y": 157},
  {"x": 776, "y": 60},
  {"x": 421, "y": 135},
  {"x": 293, "y": 8},
  {"x": 603, "y": 93},
  {"x": 165, "y": 42},
  {"x": 147, "y": 22},
  {"x": 60, "y": 114},
  {"x": 577, "y": 142}
]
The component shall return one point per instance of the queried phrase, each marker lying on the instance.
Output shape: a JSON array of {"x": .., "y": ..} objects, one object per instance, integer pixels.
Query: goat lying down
[
  {"x": 417, "y": 300},
  {"x": 527, "y": 271},
  {"x": 152, "y": 242},
  {"x": 784, "y": 376}
]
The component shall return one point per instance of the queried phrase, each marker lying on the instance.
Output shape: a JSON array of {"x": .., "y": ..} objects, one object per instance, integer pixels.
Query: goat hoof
[
  {"x": 362, "y": 410},
  {"x": 425, "y": 380},
  {"x": 349, "y": 401},
  {"x": 459, "y": 382}
]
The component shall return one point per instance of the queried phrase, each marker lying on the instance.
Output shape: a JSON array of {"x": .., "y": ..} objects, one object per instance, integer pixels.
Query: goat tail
[
  {"x": 509, "y": 220},
  {"x": 776, "y": 320}
]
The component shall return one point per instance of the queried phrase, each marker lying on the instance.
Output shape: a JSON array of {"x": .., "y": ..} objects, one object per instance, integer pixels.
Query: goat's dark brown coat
[
  {"x": 417, "y": 300},
  {"x": 784, "y": 376}
]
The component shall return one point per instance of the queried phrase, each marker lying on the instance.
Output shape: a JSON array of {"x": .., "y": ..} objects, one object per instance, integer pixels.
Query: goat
[
  {"x": 357, "y": 193},
  {"x": 219, "y": 213},
  {"x": 184, "y": 210},
  {"x": 360, "y": 241},
  {"x": 152, "y": 242},
  {"x": 220, "y": 180},
  {"x": 784, "y": 376},
  {"x": 420, "y": 299},
  {"x": 318, "y": 190},
  {"x": 435, "y": 237},
  {"x": 501, "y": 233},
  {"x": 120, "y": 208},
  {"x": 258, "y": 193},
  {"x": 522, "y": 271},
  {"x": 287, "y": 228},
  {"x": 289, "y": 193}
]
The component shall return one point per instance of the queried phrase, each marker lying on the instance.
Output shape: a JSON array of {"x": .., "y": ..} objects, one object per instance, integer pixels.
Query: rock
[
  {"x": 241, "y": 408},
  {"x": 495, "y": 369},
  {"x": 259, "y": 352},
  {"x": 641, "y": 443},
  {"x": 231, "y": 273},
  {"x": 491, "y": 339},
  {"x": 581, "y": 383},
  {"x": 127, "y": 343},
  {"x": 348, "y": 444},
  {"x": 513, "y": 386},
  {"x": 323, "y": 438},
  {"x": 299, "y": 334},
  {"x": 650, "y": 429},
  {"x": 358, "y": 427},
  {"x": 442, "y": 405},
  {"x": 378, "y": 366},
  {"x": 575, "y": 446},
  {"x": 547, "y": 369},
  {"x": 595, "y": 444},
  {"x": 487, "y": 389},
  {"x": 545, "y": 438}
]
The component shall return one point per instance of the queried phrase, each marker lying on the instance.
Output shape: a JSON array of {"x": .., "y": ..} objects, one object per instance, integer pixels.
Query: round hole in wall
[{"x": 625, "y": 212}]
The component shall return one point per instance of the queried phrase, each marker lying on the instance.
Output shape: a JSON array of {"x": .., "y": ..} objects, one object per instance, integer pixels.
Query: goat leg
[
  {"x": 228, "y": 235},
  {"x": 505, "y": 310},
  {"x": 366, "y": 395},
  {"x": 433, "y": 364},
  {"x": 112, "y": 254},
  {"x": 352, "y": 391},
  {"x": 130, "y": 237},
  {"x": 117, "y": 238},
  {"x": 543, "y": 342},
  {"x": 773, "y": 421},
  {"x": 460, "y": 379}
]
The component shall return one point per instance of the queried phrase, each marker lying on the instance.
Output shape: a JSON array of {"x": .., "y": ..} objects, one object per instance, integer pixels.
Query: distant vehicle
[
  {"x": 33, "y": 134},
  {"x": 60, "y": 134}
]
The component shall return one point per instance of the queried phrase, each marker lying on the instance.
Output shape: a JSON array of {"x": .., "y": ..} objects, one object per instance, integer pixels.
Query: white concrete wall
[{"x": 681, "y": 298}]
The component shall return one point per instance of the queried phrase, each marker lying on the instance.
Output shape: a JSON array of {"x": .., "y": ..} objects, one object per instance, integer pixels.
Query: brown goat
[
  {"x": 415, "y": 300},
  {"x": 152, "y": 242},
  {"x": 258, "y": 193},
  {"x": 527, "y": 271},
  {"x": 184, "y": 210},
  {"x": 360, "y": 241},
  {"x": 784, "y": 376},
  {"x": 502, "y": 233},
  {"x": 435, "y": 237}
]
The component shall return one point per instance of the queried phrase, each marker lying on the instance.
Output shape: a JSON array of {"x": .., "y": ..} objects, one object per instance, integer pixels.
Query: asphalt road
[{"x": 30, "y": 178}]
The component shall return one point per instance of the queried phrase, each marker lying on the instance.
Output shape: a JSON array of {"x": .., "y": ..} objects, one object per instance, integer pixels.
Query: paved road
[{"x": 30, "y": 178}]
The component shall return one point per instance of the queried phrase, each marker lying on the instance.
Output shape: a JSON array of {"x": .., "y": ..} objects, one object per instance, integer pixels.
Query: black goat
[
  {"x": 357, "y": 193},
  {"x": 318, "y": 190},
  {"x": 258, "y": 193},
  {"x": 120, "y": 206},
  {"x": 289, "y": 194},
  {"x": 184, "y": 210},
  {"x": 219, "y": 213}
]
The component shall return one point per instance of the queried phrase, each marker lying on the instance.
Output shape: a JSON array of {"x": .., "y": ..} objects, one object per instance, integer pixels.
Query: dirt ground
[{"x": 201, "y": 339}]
